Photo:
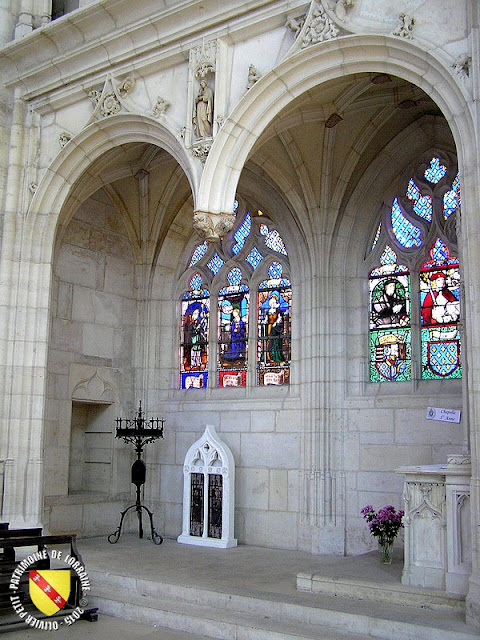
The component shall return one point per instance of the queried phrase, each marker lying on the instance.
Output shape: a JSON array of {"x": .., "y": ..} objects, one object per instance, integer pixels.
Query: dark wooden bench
[{"x": 9, "y": 552}]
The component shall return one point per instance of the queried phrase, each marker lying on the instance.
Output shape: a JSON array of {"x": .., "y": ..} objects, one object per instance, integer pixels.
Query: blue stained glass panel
[
  {"x": 198, "y": 254},
  {"x": 441, "y": 353},
  {"x": 196, "y": 282},
  {"x": 440, "y": 255},
  {"x": 388, "y": 256},
  {"x": 242, "y": 233},
  {"x": 275, "y": 270},
  {"x": 254, "y": 257},
  {"x": 413, "y": 192},
  {"x": 423, "y": 204},
  {"x": 274, "y": 241},
  {"x": 215, "y": 264},
  {"x": 423, "y": 208},
  {"x": 440, "y": 252},
  {"x": 436, "y": 171},
  {"x": 407, "y": 234},
  {"x": 388, "y": 264},
  {"x": 234, "y": 276},
  {"x": 451, "y": 199}
]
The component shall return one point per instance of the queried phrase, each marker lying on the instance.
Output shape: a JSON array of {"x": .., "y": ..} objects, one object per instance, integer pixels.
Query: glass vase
[{"x": 386, "y": 551}]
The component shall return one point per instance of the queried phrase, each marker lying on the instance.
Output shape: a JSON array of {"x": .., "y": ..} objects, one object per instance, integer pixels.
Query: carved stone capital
[{"x": 213, "y": 226}]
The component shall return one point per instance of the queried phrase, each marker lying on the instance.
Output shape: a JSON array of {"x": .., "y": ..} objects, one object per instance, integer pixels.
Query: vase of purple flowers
[{"x": 384, "y": 524}]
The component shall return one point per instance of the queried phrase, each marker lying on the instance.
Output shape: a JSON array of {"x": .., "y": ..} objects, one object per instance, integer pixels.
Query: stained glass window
[
  {"x": 274, "y": 332},
  {"x": 194, "y": 335},
  {"x": 437, "y": 283},
  {"x": 440, "y": 314},
  {"x": 254, "y": 242}
]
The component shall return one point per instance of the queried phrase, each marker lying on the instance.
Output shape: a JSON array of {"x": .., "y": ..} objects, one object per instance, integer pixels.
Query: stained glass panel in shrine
[
  {"x": 390, "y": 355},
  {"x": 390, "y": 319},
  {"x": 195, "y": 308},
  {"x": 274, "y": 332},
  {"x": 440, "y": 314},
  {"x": 215, "y": 501},
  {"x": 233, "y": 311},
  {"x": 390, "y": 301},
  {"x": 441, "y": 353},
  {"x": 196, "y": 504}
]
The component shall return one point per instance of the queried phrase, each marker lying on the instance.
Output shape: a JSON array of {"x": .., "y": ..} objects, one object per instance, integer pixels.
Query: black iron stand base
[{"x": 156, "y": 537}]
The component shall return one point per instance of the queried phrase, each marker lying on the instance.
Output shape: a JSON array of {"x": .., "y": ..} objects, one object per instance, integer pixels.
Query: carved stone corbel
[{"x": 213, "y": 226}]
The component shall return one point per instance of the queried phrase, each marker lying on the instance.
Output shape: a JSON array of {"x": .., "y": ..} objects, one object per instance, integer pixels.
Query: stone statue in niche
[{"x": 203, "y": 111}]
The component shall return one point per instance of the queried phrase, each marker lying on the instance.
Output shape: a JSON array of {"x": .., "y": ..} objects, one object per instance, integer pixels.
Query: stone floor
[{"x": 263, "y": 574}]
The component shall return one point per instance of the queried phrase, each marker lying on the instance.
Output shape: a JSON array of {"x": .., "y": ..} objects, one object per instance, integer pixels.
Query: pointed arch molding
[
  {"x": 308, "y": 69},
  {"x": 58, "y": 194}
]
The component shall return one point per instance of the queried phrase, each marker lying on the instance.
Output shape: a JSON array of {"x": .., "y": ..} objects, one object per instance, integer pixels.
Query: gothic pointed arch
[{"x": 300, "y": 73}]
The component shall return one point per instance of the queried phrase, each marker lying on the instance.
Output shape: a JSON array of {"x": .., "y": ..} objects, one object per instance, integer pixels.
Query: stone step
[
  {"x": 398, "y": 594},
  {"x": 211, "y": 622},
  {"x": 237, "y": 614}
]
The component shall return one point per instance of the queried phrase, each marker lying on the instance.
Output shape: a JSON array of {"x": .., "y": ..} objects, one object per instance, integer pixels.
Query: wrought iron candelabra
[{"x": 139, "y": 432}]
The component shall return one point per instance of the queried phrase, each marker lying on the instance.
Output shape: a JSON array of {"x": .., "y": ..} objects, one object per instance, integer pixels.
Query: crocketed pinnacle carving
[
  {"x": 213, "y": 226},
  {"x": 206, "y": 59}
]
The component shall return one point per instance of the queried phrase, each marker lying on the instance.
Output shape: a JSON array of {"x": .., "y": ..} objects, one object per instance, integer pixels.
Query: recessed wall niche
[{"x": 91, "y": 448}]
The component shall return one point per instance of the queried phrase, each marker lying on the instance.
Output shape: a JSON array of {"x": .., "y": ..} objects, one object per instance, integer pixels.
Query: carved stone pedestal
[{"x": 437, "y": 525}]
